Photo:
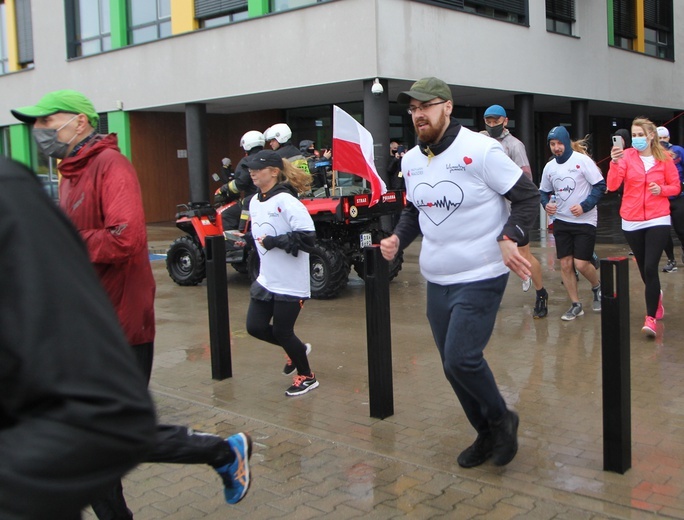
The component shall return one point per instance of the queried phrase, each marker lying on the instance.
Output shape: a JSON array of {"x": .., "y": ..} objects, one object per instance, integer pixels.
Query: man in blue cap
[{"x": 496, "y": 121}]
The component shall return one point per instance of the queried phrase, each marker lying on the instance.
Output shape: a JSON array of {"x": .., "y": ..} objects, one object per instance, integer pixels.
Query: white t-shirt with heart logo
[
  {"x": 459, "y": 194},
  {"x": 280, "y": 272},
  {"x": 572, "y": 182}
]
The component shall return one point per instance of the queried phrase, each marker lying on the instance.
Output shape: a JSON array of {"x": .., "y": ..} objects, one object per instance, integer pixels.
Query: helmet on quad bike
[
  {"x": 251, "y": 139},
  {"x": 280, "y": 132}
]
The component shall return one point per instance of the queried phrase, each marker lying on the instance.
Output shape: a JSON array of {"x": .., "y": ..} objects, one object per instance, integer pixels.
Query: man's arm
[{"x": 524, "y": 197}]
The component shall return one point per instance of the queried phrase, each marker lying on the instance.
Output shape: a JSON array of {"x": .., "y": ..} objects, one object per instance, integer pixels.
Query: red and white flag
[{"x": 353, "y": 151}]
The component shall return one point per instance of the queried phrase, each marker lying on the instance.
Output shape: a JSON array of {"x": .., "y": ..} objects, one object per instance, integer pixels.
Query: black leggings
[
  {"x": 281, "y": 332},
  {"x": 647, "y": 246}
]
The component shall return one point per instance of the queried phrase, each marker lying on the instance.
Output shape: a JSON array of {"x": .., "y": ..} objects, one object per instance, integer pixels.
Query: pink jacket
[{"x": 638, "y": 203}]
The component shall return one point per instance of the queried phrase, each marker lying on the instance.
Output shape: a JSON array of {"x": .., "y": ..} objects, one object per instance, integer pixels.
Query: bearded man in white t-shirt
[{"x": 457, "y": 183}]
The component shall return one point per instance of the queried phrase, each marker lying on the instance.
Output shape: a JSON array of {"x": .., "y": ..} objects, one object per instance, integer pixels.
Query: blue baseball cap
[{"x": 495, "y": 111}]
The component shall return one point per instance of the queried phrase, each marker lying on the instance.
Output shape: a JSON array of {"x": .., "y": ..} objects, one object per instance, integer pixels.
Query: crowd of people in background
[{"x": 469, "y": 246}]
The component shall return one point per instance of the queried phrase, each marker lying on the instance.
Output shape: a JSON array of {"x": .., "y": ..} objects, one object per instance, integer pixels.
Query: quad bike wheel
[
  {"x": 329, "y": 270},
  {"x": 185, "y": 261},
  {"x": 394, "y": 265}
]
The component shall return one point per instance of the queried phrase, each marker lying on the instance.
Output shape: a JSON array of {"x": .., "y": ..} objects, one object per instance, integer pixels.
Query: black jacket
[{"x": 75, "y": 414}]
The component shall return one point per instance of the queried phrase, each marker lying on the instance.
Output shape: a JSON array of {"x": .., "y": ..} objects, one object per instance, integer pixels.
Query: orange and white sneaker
[
  {"x": 649, "y": 328},
  {"x": 302, "y": 384}
]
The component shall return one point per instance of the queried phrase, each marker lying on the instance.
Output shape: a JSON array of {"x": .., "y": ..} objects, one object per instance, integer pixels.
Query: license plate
[{"x": 366, "y": 240}]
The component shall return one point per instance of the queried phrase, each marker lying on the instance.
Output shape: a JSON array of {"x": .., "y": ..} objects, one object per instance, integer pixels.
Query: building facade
[{"x": 180, "y": 81}]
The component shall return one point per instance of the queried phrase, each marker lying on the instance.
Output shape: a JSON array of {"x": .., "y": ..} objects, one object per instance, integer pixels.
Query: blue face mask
[{"x": 639, "y": 143}]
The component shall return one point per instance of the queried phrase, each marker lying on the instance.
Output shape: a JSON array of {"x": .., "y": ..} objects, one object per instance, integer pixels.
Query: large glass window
[
  {"x": 560, "y": 16},
  {"x": 658, "y": 37},
  {"x": 148, "y": 20},
  {"x": 4, "y": 62},
  {"x": 88, "y": 26}
]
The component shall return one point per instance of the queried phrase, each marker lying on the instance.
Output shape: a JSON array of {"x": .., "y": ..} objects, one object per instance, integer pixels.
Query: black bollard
[
  {"x": 378, "y": 334},
  {"x": 217, "y": 298},
  {"x": 617, "y": 419}
]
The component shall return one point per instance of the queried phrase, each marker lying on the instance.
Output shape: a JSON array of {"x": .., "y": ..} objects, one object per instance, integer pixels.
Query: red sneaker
[{"x": 649, "y": 328}]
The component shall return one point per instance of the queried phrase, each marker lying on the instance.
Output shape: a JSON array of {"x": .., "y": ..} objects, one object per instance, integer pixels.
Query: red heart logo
[
  {"x": 279, "y": 210},
  {"x": 577, "y": 166},
  {"x": 467, "y": 160}
]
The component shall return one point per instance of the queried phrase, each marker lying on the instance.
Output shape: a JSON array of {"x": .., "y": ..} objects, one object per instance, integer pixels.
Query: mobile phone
[
  {"x": 401, "y": 149},
  {"x": 618, "y": 141}
]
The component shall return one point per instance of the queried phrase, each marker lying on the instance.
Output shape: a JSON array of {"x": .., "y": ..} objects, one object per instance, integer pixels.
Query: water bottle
[{"x": 552, "y": 200}]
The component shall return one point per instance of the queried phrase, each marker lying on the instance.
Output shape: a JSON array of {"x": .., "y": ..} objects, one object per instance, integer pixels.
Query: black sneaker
[
  {"x": 289, "y": 367},
  {"x": 541, "y": 306},
  {"x": 505, "y": 435},
  {"x": 302, "y": 384},
  {"x": 477, "y": 453}
]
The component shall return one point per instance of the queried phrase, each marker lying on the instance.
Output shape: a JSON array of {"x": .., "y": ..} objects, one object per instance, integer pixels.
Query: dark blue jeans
[{"x": 462, "y": 319}]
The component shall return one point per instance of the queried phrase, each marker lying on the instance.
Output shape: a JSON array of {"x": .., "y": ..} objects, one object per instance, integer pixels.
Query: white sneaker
[{"x": 526, "y": 284}]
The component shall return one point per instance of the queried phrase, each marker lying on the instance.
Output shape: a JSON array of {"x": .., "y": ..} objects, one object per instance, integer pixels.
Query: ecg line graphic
[{"x": 444, "y": 203}]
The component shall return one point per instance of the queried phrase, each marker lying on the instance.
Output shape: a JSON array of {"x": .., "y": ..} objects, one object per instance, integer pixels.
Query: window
[
  {"x": 507, "y": 10},
  {"x": 212, "y": 13},
  {"x": 148, "y": 20},
  {"x": 560, "y": 16},
  {"x": 624, "y": 23},
  {"x": 22, "y": 10},
  {"x": 4, "y": 62},
  {"x": 283, "y": 5},
  {"x": 658, "y": 37},
  {"x": 88, "y": 27}
]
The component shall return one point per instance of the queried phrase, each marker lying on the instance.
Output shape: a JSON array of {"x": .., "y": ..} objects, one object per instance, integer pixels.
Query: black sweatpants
[{"x": 173, "y": 444}]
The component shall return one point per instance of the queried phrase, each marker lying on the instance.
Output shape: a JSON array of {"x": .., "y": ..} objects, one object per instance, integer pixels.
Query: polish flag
[{"x": 353, "y": 152}]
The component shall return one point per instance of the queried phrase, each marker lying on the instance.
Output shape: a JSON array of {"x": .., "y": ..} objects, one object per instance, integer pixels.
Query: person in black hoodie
[
  {"x": 457, "y": 182},
  {"x": 75, "y": 414},
  {"x": 283, "y": 233}
]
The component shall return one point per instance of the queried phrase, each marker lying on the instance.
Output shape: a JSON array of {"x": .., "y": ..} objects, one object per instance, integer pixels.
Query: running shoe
[
  {"x": 235, "y": 475},
  {"x": 573, "y": 312},
  {"x": 649, "y": 328},
  {"x": 301, "y": 385},
  {"x": 670, "y": 267}
]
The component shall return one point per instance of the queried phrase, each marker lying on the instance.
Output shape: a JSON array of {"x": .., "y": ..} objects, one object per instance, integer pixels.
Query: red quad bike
[
  {"x": 185, "y": 258},
  {"x": 345, "y": 224}
]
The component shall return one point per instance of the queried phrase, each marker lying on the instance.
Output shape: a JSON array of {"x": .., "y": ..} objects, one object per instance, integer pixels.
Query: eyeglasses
[{"x": 423, "y": 107}]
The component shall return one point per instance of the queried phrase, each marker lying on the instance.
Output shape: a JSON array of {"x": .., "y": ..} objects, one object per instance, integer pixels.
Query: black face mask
[{"x": 495, "y": 131}]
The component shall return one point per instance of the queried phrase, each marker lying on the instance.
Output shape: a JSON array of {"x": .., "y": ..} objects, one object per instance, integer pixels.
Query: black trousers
[
  {"x": 677, "y": 216},
  {"x": 173, "y": 444}
]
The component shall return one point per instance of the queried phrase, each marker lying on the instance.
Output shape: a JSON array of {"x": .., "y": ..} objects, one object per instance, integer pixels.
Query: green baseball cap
[
  {"x": 426, "y": 89},
  {"x": 69, "y": 101}
]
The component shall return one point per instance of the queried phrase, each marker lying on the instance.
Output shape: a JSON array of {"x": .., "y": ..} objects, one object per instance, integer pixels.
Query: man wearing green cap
[
  {"x": 100, "y": 193},
  {"x": 457, "y": 184}
]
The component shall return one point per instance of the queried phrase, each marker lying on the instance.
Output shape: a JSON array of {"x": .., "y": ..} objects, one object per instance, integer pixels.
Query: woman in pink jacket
[{"x": 649, "y": 177}]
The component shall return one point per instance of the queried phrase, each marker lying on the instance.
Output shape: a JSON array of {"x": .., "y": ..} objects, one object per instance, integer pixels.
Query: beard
[{"x": 429, "y": 134}]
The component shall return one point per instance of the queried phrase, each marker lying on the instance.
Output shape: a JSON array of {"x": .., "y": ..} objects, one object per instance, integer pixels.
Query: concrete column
[
  {"x": 196, "y": 138},
  {"x": 580, "y": 118},
  {"x": 376, "y": 121},
  {"x": 524, "y": 129}
]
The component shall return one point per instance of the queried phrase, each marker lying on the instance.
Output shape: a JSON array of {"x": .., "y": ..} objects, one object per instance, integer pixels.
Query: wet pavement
[{"x": 321, "y": 455}]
